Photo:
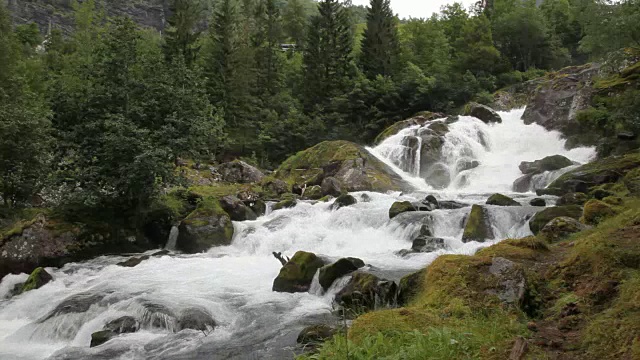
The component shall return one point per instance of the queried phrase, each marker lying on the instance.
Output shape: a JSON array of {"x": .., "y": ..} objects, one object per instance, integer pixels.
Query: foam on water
[{"x": 233, "y": 283}]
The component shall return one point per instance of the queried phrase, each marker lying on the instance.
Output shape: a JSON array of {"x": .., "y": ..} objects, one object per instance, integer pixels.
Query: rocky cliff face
[{"x": 59, "y": 13}]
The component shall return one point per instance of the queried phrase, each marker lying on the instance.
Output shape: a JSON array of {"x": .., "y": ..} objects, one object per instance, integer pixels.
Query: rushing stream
[{"x": 233, "y": 283}]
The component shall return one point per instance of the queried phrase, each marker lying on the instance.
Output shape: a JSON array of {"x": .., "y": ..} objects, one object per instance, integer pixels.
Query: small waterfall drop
[{"x": 173, "y": 237}]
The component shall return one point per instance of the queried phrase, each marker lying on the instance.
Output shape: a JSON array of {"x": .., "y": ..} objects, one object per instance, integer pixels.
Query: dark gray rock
[
  {"x": 331, "y": 186},
  {"x": 425, "y": 244},
  {"x": 133, "y": 261},
  {"x": 236, "y": 209},
  {"x": 330, "y": 273},
  {"x": 538, "y": 202},
  {"x": 315, "y": 335},
  {"x": 196, "y": 319},
  {"x": 239, "y": 172},
  {"x": 573, "y": 199},
  {"x": 484, "y": 113},
  {"x": 512, "y": 283},
  {"x": 342, "y": 201},
  {"x": 549, "y": 163}
]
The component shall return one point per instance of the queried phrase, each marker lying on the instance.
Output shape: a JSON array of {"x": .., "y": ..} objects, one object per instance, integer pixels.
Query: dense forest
[{"x": 99, "y": 118}]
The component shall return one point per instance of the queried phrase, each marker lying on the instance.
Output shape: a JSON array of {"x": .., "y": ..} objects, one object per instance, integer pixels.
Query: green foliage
[{"x": 380, "y": 45}]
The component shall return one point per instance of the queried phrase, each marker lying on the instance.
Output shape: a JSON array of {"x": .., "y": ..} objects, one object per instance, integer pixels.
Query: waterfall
[
  {"x": 173, "y": 237},
  {"x": 233, "y": 283}
]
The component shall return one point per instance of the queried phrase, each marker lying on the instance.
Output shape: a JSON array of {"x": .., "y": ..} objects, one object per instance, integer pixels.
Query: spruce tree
[
  {"x": 380, "y": 48},
  {"x": 295, "y": 22},
  {"x": 328, "y": 63},
  {"x": 181, "y": 36}
]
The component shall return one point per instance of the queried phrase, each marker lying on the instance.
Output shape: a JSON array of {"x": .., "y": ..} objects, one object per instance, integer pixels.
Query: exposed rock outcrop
[
  {"x": 477, "y": 227},
  {"x": 240, "y": 172},
  {"x": 542, "y": 218},
  {"x": 366, "y": 292},
  {"x": 420, "y": 119},
  {"x": 330, "y": 273},
  {"x": 38, "y": 278},
  {"x": 236, "y": 209},
  {"x": 342, "y": 201},
  {"x": 351, "y": 164},
  {"x": 502, "y": 200},
  {"x": 207, "y": 226},
  {"x": 483, "y": 112},
  {"x": 549, "y": 163},
  {"x": 297, "y": 274},
  {"x": 561, "y": 228},
  {"x": 400, "y": 207}
]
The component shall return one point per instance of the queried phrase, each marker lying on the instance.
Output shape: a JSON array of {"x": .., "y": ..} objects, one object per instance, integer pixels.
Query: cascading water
[{"x": 233, "y": 283}]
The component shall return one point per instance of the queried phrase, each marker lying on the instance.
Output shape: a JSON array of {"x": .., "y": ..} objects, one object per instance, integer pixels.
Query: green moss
[
  {"x": 501, "y": 200},
  {"x": 219, "y": 190},
  {"x": 37, "y": 279},
  {"x": 21, "y": 220},
  {"x": 595, "y": 211},
  {"x": 296, "y": 275},
  {"x": 611, "y": 166},
  {"x": 476, "y": 228},
  {"x": 529, "y": 248},
  {"x": 541, "y": 218},
  {"x": 285, "y": 204},
  {"x": 400, "y": 207}
]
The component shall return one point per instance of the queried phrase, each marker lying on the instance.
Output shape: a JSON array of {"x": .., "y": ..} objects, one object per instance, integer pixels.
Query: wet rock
[
  {"x": 572, "y": 199},
  {"x": 133, "y": 261},
  {"x": 276, "y": 187},
  {"x": 595, "y": 211},
  {"x": 523, "y": 184},
  {"x": 313, "y": 192},
  {"x": 430, "y": 203},
  {"x": 123, "y": 325},
  {"x": 502, "y": 200},
  {"x": 297, "y": 189},
  {"x": 342, "y": 201},
  {"x": 549, "y": 163},
  {"x": 196, "y": 319},
  {"x": 538, "y": 202},
  {"x": 331, "y": 186},
  {"x": 259, "y": 207},
  {"x": 158, "y": 316},
  {"x": 400, "y": 207},
  {"x": 466, "y": 164},
  {"x": 420, "y": 119},
  {"x": 438, "y": 176},
  {"x": 452, "y": 205},
  {"x": 365, "y": 198},
  {"x": 239, "y": 172},
  {"x": 425, "y": 244},
  {"x": 236, "y": 209},
  {"x": 75, "y": 304},
  {"x": 511, "y": 280},
  {"x": 330, "y": 273},
  {"x": 207, "y": 226},
  {"x": 366, "y": 292},
  {"x": 297, "y": 274},
  {"x": 100, "y": 337},
  {"x": 542, "y": 218},
  {"x": 626, "y": 135},
  {"x": 477, "y": 227},
  {"x": 409, "y": 286},
  {"x": 161, "y": 253},
  {"x": 561, "y": 228},
  {"x": 38, "y": 278},
  {"x": 285, "y": 204},
  {"x": 484, "y": 113},
  {"x": 316, "y": 334}
]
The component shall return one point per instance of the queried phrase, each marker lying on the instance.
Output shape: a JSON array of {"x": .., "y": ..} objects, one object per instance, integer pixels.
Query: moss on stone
[
  {"x": 477, "y": 227},
  {"x": 595, "y": 211},
  {"x": 285, "y": 204},
  {"x": 400, "y": 207},
  {"x": 296, "y": 275},
  {"x": 37, "y": 279},
  {"x": 599, "y": 172},
  {"x": 540, "y": 219},
  {"x": 501, "y": 200}
]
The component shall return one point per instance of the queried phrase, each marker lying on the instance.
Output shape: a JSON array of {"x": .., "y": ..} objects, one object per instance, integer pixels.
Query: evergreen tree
[
  {"x": 267, "y": 48},
  {"x": 295, "y": 22},
  {"x": 328, "y": 63},
  {"x": 380, "y": 47},
  {"x": 181, "y": 36}
]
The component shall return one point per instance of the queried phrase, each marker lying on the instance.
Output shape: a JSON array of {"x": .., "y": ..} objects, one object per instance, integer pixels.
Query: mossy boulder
[
  {"x": 400, "y": 207},
  {"x": 588, "y": 176},
  {"x": 297, "y": 274},
  {"x": 313, "y": 192},
  {"x": 420, "y": 119},
  {"x": 285, "y": 204},
  {"x": 632, "y": 182},
  {"x": 100, "y": 337},
  {"x": 342, "y": 201},
  {"x": 122, "y": 325},
  {"x": 351, "y": 164},
  {"x": 561, "y": 228},
  {"x": 274, "y": 187},
  {"x": 502, "y": 200},
  {"x": 549, "y": 163},
  {"x": 236, "y": 209},
  {"x": 538, "y": 202},
  {"x": 595, "y": 211},
  {"x": 259, "y": 207},
  {"x": 482, "y": 112},
  {"x": 38, "y": 278},
  {"x": 364, "y": 292},
  {"x": 207, "y": 226},
  {"x": 477, "y": 227},
  {"x": 409, "y": 286},
  {"x": 425, "y": 244},
  {"x": 330, "y": 273},
  {"x": 542, "y": 218},
  {"x": 573, "y": 199},
  {"x": 238, "y": 171},
  {"x": 314, "y": 335}
]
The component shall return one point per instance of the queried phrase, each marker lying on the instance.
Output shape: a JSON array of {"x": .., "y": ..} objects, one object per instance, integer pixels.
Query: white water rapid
[{"x": 233, "y": 283}]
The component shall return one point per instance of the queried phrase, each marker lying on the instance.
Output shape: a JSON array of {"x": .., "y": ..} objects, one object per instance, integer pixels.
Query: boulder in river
[
  {"x": 451, "y": 205},
  {"x": 420, "y": 119},
  {"x": 549, "y": 163},
  {"x": 38, "y": 278},
  {"x": 538, "y": 202},
  {"x": 297, "y": 274},
  {"x": 196, "y": 319},
  {"x": 342, "y": 201},
  {"x": 400, "y": 207},
  {"x": 477, "y": 227},
  {"x": 207, "y": 226},
  {"x": 331, "y": 186},
  {"x": 285, "y": 204},
  {"x": 426, "y": 244},
  {"x": 409, "y": 286},
  {"x": 122, "y": 325},
  {"x": 483, "y": 112},
  {"x": 542, "y": 218},
  {"x": 313, "y": 192},
  {"x": 330, "y": 273},
  {"x": 502, "y": 200},
  {"x": 352, "y": 165},
  {"x": 561, "y": 228},
  {"x": 237, "y": 209},
  {"x": 523, "y": 184},
  {"x": 238, "y": 171},
  {"x": 259, "y": 207},
  {"x": 133, "y": 261},
  {"x": 314, "y": 335},
  {"x": 365, "y": 292},
  {"x": 275, "y": 187}
]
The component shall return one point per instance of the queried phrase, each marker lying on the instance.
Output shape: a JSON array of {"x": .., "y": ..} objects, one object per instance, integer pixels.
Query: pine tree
[
  {"x": 181, "y": 36},
  {"x": 328, "y": 63},
  {"x": 380, "y": 47},
  {"x": 267, "y": 49},
  {"x": 295, "y": 22}
]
